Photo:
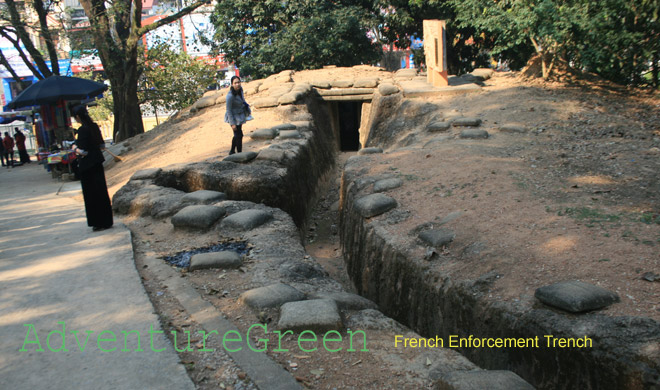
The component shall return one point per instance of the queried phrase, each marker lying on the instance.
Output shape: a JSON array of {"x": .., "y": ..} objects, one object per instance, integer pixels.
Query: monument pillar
[{"x": 435, "y": 52}]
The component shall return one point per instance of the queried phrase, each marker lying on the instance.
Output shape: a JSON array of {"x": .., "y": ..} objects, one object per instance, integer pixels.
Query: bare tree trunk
[
  {"x": 46, "y": 34},
  {"x": 117, "y": 33},
  {"x": 128, "y": 116}
]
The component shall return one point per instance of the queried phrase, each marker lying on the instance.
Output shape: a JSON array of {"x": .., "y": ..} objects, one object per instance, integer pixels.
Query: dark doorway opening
[{"x": 349, "y": 125}]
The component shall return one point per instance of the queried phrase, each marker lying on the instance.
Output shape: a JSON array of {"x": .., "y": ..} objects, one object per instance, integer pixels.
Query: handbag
[{"x": 248, "y": 111}]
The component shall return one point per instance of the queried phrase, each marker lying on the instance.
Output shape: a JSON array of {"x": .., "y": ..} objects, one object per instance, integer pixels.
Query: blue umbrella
[{"x": 54, "y": 88}]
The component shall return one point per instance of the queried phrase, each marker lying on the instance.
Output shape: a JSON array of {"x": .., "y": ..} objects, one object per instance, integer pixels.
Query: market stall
[{"x": 59, "y": 163}]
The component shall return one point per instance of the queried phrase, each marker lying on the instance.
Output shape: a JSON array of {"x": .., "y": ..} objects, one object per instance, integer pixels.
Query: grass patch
[
  {"x": 649, "y": 218},
  {"x": 589, "y": 215}
]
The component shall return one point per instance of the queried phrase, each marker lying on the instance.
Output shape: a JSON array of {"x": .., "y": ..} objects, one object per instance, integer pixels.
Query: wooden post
[{"x": 435, "y": 52}]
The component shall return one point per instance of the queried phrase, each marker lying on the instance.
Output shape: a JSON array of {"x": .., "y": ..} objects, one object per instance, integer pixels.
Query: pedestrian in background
[
  {"x": 8, "y": 143},
  {"x": 237, "y": 112},
  {"x": 20, "y": 146},
  {"x": 3, "y": 158},
  {"x": 88, "y": 146}
]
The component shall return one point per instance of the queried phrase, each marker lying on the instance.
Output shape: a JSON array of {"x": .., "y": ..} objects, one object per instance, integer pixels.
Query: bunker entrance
[{"x": 349, "y": 114}]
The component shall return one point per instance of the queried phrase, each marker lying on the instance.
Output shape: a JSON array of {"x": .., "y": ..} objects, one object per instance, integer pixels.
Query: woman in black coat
[{"x": 89, "y": 143}]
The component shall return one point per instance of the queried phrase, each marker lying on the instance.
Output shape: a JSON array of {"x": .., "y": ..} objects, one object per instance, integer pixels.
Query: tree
[
  {"x": 267, "y": 36},
  {"x": 15, "y": 28},
  {"x": 116, "y": 28},
  {"x": 173, "y": 80},
  {"x": 547, "y": 24},
  {"x": 620, "y": 40},
  {"x": 617, "y": 39}
]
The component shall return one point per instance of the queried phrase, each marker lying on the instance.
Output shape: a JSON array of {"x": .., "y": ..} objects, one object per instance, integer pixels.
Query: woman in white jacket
[{"x": 237, "y": 112}]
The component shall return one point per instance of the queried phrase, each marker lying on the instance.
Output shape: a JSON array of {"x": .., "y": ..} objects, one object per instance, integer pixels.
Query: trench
[{"x": 353, "y": 253}]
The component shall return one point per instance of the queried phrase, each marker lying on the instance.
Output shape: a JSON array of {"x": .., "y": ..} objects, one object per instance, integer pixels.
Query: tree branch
[
  {"x": 17, "y": 23},
  {"x": 45, "y": 33},
  {"x": 174, "y": 17},
  {"x": 5, "y": 63},
  {"x": 21, "y": 53}
]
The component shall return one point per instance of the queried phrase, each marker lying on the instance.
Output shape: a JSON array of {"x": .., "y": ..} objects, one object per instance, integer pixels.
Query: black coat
[{"x": 90, "y": 140}]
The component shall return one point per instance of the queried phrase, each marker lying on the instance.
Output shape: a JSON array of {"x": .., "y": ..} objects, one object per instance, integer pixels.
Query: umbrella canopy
[{"x": 54, "y": 88}]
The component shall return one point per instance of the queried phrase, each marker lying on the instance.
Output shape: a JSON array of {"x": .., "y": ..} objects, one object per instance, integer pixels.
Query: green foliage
[
  {"x": 172, "y": 80},
  {"x": 266, "y": 36},
  {"x": 616, "y": 39},
  {"x": 403, "y": 19},
  {"x": 103, "y": 108}
]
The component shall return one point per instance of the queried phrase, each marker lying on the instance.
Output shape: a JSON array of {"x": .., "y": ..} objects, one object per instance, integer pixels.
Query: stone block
[
  {"x": 263, "y": 134},
  {"x": 204, "y": 197},
  {"x": 197, "y": 217},
  {"x": 484, "y": 73},
  {"x": 222, "y": 259},
  {"x": 345, "y": 300},
  {"x": 265, "y": 102},
  {"x": 145, "y": 174},
  {"x": 374, "y": 204},
  {"x": 388, "y": 89},
  {"x": 366, "y": 83},
  {"x": 289, "y": 134},
  {"x": 387, "y": 184},
  {"x": 575, "y": 296},
  {"x": 481, "y": 379},
  {"x": 302, "y": 88},
  {"x": 284, "y": 126},
  {"x": 289, "y": 98},
  {"x": 321, "y": 84},
  {"x": 438, "y": 127},
  {"x": 271, "y": 154},
  {"x": 274, "y": 295},
  {"x": 302, "y": 125},
  {"x": 405, "y": 73},
  {"x": 243, "y": 157},
  {"x": 474, "y": 134},
  {"x": 316, "y": 315},
  {"x": 341, "y": 83},
  {"x": 246, "y": 219},
  {"x": 437, "y": 238},
  {"x": 346, "y": 92},
  {"x": 206, "y": 101}
]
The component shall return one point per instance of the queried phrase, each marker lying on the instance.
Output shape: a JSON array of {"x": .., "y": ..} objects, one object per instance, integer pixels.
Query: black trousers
[
  {"x": 95, "y": 194},
  {"x": 237, "y": 141},
  {"x": 24, "y": 156},
  {"x": 9, "y": 157}
]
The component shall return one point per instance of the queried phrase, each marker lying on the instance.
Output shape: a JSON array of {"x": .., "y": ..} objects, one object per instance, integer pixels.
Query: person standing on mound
[
  {"x": 89, "y": 143},
  {"x": 237, "y": 112}
]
